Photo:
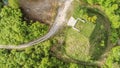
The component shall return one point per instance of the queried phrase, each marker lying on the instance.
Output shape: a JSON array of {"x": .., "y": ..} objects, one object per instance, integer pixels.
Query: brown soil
[{"x": 40, "y": 10}]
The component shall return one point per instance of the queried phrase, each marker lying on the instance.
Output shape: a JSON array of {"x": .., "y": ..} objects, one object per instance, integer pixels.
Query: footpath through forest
[{"x": 59, "y": 21}]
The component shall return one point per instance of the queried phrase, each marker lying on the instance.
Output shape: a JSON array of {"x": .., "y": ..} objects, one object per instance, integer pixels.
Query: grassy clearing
[
  {"x": 77, "y": 45},
  {"x": 87, "y": 45},
  {"x": 90, "y": 43},
  {"x": 85, "y": 28}
]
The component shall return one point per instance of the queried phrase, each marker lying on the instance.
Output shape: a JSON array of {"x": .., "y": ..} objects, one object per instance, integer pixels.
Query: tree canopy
[{"x": 13, "y": 30}]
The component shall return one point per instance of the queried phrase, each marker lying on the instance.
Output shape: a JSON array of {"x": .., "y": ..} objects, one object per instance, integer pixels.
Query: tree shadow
[{"x": 99, "y": 39}]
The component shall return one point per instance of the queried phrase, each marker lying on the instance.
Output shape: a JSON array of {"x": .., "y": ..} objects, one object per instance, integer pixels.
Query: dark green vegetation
[
  {"x": 37, "y": 56},
  {"x": 113, "y": 60},
  {"x": 13, "y": 30},
  {"x": 92, "y": 37},
  {"x": 82, "y": 49},
  {"x": 1, "y": 4},
  {"x": 111, "y": 9},
  {"x": 96, "y": 37}
]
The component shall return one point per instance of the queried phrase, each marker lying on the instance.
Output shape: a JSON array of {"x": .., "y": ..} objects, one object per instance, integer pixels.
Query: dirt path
[{"x": 59, "y": 21}]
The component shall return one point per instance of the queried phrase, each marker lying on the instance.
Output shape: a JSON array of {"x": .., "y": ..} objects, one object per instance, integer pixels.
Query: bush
[
  {"x": 113, "y": 60},
  {"x": 13, "y": 30}
]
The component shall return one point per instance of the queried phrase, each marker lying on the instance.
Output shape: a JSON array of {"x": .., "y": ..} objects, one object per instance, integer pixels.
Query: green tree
[
  {"x": 13, "y": 3},
  {"x": 113, "y": 58},
  {"x": 13, "y": 30},
  {"x": 73, "y": 65}
]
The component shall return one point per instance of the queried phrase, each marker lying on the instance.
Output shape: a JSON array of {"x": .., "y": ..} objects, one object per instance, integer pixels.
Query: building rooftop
[{"x": 72, "y": 21}]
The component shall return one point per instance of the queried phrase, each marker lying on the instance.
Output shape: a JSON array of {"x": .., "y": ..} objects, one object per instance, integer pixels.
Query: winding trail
[{"x": 59, "y": 21}]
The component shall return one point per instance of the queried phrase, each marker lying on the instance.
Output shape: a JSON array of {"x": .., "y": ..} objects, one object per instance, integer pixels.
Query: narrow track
[{"x": 59, "y": 21}]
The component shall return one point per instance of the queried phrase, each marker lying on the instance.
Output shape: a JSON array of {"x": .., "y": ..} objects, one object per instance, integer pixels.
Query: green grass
[
  {"x": 86, "y": 44},
  {"x": 77, "y": 45},
  {"x": 85, "y": 28},
  {"x": 83, "y": 46}
]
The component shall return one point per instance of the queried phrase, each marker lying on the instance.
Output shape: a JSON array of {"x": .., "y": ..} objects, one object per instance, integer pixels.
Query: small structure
[{"x": 72, "y": 22}]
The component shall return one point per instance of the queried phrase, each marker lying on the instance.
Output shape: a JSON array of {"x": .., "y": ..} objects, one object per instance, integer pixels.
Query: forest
[{"x": 100, "y": 37}]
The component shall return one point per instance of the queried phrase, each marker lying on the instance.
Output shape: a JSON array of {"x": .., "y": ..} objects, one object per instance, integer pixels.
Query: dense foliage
[
  {"x": 1, "y": 4},
  {"x": 35, "y": 57},
  {"x": 13, "y": 30},
  {"x": 112, "y": 10},
  {"x": 113, "y": 61}
]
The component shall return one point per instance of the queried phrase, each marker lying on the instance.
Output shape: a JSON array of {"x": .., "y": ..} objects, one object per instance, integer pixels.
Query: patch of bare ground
[{"x": 40, "y": 10}]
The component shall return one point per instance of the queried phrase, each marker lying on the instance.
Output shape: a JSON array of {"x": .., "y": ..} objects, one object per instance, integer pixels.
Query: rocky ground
[{"x": 41, "y": 10}]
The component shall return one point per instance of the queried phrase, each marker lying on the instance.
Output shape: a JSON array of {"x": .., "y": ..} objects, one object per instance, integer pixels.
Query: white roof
[{"x": 72, "y": 21}]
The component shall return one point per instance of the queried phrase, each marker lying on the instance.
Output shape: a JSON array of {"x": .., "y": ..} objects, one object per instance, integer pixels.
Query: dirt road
[{"x": 59, "y": 21}]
